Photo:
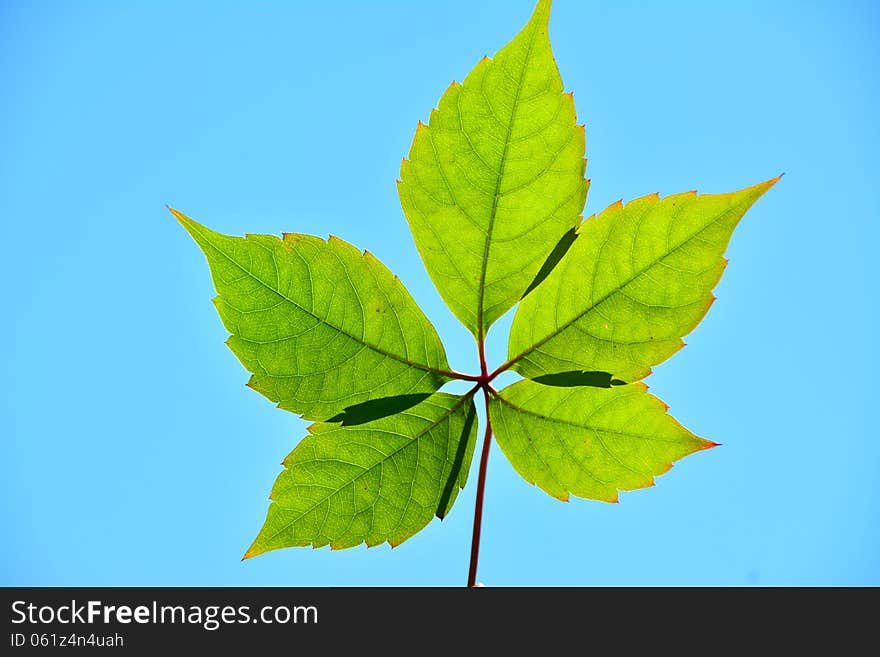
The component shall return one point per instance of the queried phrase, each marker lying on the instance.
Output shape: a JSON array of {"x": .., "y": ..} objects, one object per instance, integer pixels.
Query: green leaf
[
  {"x": 320, "y": 325},
  {"x": 370, "y": 483},
  {"x": 496, "y": 178},
  {"x": 588, "y": 441},
  {"x": 493, "y": 189},
  {"x": 637, "y": 279}
]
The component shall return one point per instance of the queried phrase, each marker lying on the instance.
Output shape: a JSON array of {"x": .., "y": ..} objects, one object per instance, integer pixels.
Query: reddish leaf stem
[
  {"x": 483, "y": 382},
  {"x": 481, "y": 485},
  {"x": 481, "y": 347},
  {"x": 461, "y": 376}
]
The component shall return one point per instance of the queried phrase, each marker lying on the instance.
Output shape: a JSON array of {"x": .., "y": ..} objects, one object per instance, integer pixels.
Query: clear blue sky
[{"x": 133, "y": 454}]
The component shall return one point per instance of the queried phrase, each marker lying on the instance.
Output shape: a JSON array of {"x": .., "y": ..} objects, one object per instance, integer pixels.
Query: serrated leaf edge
[
  {"x": 314, "y": 429},
  {"x": 701, "y": 444}
]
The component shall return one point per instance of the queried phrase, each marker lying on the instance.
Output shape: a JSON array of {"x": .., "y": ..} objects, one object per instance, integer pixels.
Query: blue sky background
[{"x": 132, "y": 453}]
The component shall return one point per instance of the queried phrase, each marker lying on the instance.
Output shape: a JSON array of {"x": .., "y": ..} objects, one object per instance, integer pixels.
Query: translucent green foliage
[
  {"x": 493, "y": 190},
  {"x": 638, "y": 278},
  {"x": 320, "y": 325},
  {"x": 588, "y": 441},
  {"x": 375, "y": 482},
  {"x": 496, "y": 178}
]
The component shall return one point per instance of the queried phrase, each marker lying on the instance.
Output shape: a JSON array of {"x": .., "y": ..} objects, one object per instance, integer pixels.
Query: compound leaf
[
  {"x": 374, "y": 482},
  {"x": 496, "y": 178},
  {"x": 637, "y": 278},
  {"x": 493, "y": 189},
  {"x": 588, "y": 441},
  {"x": 320, "y": 325}
]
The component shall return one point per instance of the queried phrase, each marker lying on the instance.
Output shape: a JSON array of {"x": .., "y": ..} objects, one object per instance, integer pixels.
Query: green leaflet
[
  {"x": 637, "y": 279},
  {"x": 496, "y": 178},
  {"x": 374, "y": 482},
  {"x": 320, "y": 325},
  {"x": 586, "y": 441}
]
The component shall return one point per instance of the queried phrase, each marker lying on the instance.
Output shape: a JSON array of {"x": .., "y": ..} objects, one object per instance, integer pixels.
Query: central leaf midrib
[
  {"x": 378, "y": 463},
  {"x": 570, "y": 423},
  {"x": 323, "y": 320},
  {"x": 497, "y": 196},
  {"x": 619, "y": 287}
]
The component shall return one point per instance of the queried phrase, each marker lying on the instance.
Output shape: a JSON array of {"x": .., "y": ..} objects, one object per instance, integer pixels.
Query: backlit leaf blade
[
  {"x": 637, "y": 279},
  {"x": 587, "y": 441},
  {"x": 496, "y": 178},
  {"x": 320, "y": 325},
  {"x": 371, "y": 483}
]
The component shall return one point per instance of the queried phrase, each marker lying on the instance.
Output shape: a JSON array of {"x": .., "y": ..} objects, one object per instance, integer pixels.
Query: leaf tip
[
  {"x": 542, "y": 12},
  {"x": 190, "y": 225},
  {"x": 755, "y": 192},
  {"x": 764, "y": 187}
]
